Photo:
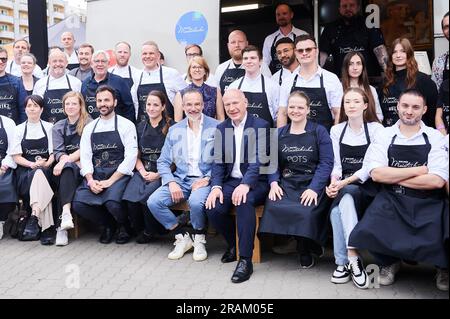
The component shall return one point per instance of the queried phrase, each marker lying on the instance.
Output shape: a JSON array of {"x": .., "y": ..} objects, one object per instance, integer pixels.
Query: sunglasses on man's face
[
  {"x": 4, "y": 60},
  {"x": 307, "y": 50}
]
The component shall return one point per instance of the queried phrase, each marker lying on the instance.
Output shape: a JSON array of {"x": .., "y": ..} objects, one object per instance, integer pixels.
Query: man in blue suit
[
  {"x": 238, "y": 179},
  {"x": 189, "y": 145}
]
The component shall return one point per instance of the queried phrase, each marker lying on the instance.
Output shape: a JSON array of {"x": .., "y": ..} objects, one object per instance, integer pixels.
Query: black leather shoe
[
  {"x": 32, "y": 230},
  {"x": 123, "y": 235},
  {"x": 229, "y": 256},
  {"x": 243, "y": 271},
  {"x": 144, "y": 238},
  {"x": 107, "y": 235},
  {"x": 48, "y": 237}
]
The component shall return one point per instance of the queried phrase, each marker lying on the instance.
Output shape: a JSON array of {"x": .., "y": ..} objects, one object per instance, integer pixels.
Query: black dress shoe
[
  {"x": 107, "y": 235},
  {"x": 229, "y": 256},
  {"x": 144, "y": 238},
  {"x": 243, "y": 271},
  {"x": 32, "y": 230},
  {"x": 123, "y": 235},
  {"x": 48, "y": 237}
]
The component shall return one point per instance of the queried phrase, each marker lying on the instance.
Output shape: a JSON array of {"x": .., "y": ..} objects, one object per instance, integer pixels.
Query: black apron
[
  {"x": 275, "y": 64},
  {"x": 319, "y": 109},
  {"x": 444, "y": 104},
  {"x": 445, "y": 73},
  {"x": 72, "y": 66},
  {"x": 8, "y": 100},
  {"x": 129, "y": 80},
  {"x": 150, "y": 145},
  {"x": 53, "y": 107},
  {"x": 30, "y": 92},
  {"x": 352, "y": 158},
  {"x": 404, "y": 222},
  {"x": 7, "y": 181},
  {"x": 142, "y": 92},
  {"x": 298, "y": 156},
  {"x": 229, "y": 76},
  {"x": 91, "y": 101},
  {"x": 389, "y": 108},
  {"x": 72, "y": 144},
  {"x": 258, "y": 104},
  {"x": 108, "y": 152},
  {"x": 32, "y": 150}
]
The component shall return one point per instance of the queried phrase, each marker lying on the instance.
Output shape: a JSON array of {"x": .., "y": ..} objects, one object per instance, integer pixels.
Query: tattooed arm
[{"x": 382, "y": 56}]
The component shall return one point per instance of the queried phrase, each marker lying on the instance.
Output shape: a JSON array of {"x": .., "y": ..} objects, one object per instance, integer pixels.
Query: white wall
[
  {"x": 440, "y": 42},
  {"x": 110, "y": 21}
]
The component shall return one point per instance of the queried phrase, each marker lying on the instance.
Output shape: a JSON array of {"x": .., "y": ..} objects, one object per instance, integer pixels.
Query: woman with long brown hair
[
  {"x": 403, "y": 73},
  {"x": 350, "y": 185},
  {"x": 354, "y": 75},
  {"x": 151, "y": 136},
  {"x": 66, "y": 142}
]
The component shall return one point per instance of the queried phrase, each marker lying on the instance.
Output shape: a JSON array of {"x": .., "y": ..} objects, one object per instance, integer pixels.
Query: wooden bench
[{"x": 184, "y": 206}]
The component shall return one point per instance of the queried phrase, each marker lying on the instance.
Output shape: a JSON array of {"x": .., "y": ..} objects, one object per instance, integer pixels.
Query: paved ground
[{"x": 29, "y": 270}]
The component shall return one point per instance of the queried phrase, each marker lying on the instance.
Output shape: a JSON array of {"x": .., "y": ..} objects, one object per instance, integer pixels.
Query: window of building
[{"x": 4, "y": 27}]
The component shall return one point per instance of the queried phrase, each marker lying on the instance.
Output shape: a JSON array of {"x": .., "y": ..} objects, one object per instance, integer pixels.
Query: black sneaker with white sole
[
  {"x": 341, "y": 275},
  {"x": 306, "y": 261},
  {"x": 358, "y": 273}
]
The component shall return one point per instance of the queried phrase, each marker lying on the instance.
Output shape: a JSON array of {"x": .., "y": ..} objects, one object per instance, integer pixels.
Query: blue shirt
[
  {"x": 21, "y": 93},
  {"x": 125, "y": 106}
]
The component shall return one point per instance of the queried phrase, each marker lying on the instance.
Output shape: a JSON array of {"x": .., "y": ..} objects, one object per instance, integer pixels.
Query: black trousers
[
  {"x": 5, "y": 209},
  {"x": 142, "y": 220},
  {"x": 107, "y": 215},
  {"x": 68, "y": 184}
]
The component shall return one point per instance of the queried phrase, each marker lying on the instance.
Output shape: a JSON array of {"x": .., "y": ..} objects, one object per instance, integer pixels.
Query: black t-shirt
[{"x": 338, "y": 39}]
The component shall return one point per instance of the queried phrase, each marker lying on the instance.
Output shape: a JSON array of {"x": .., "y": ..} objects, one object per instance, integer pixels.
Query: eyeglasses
[
  {"x": 4, "y": 60},
  {"x": 192, "y": 55},
  {"x": 197, "y": 67},
  {"x": 307, "y": 50},
  {"x": 100, "y": 61},
  {"x": 284, "y": 51}
]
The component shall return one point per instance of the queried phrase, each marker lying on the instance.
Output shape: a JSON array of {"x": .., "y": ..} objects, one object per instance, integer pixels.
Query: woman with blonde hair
[
  {"x": 197, "y": 73},
  {"x": 403, "y": 73},
  {"x": 66, "y": 141}
]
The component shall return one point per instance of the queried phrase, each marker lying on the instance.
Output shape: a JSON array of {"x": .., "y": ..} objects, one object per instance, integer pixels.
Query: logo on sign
[{"x": 191, "y": 28}]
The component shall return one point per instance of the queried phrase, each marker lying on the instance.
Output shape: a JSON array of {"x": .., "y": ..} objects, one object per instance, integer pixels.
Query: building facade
[{"x": 14, "y": 17}]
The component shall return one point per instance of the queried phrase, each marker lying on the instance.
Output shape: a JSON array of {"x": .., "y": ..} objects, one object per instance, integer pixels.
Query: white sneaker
[
  {"x": 61, "y": 237},
  {"x": 442, "y": 279},
  {"x": 341, "y": 275},
  {"x": 182, "y": 245},
  {"x": 1, "y": 229},
  {"x": 200, "y": 253},
  {"x": 358, "y": 273},
  {"x": 66, "y": 220},
  {"x": 387, "y": 274}
]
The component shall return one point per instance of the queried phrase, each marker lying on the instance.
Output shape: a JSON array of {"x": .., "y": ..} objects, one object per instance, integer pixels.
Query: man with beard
[
  {"x": 283, "y": 16},
  {"x": 108, "y": 153},
  {"x": 101, "y": 76},
  {"x": 188, "y": 145},
  {"x": 229, "y": 71},
  {"x": 85, "y": 57},
  {"x": 285, "y": 50},
  {"x": 122, "y": 68},
  {"x": 441, "y": 63},
  {"x": 350, "y": 34},
  {"x": 20, "y": 47},
  {"x": 406, "y": 218},
  {"x": 68, "y": 42},
  {"x": 53, "y": 87}
]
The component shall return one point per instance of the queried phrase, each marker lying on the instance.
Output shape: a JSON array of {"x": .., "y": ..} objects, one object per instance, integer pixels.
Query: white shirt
[
  {"x": 351, "y": 138},
  {"x": 255, "y": 86},
  {"x": 127, "y": 132},
  {"x": 377, "y": 154},
  {"x": 287, "y": 75},
  {"x": 331, "y": 83},
  {"x": 173, "y": 83},
  {"x": 211, "y": 80},
  {"x": 377, "y": 104},
  {"x": 230, "y": 65},
  {"x": 269, "y": 40},
  {"x": 10, "y": 128},
  {"x": 13, "y": 68},
  {"x": 124, "y": 73},
  {"x": 73, "y": 58},
  {"x": 34, "y": 132},
  {"x": 56, "y": 83},
  {"x": 194, "y": 143},
  {"x": 238, "y": 132}
]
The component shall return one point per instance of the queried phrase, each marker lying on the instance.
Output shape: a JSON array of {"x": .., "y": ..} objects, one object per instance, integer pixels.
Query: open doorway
[{"x": 259, "y": 23}]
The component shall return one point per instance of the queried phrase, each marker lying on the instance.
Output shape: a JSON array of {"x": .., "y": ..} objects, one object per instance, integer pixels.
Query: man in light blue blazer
[{"x": 189, "y": 145}]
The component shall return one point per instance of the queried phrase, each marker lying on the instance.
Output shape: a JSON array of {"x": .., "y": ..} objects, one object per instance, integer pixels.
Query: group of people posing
[{"x": 121, "y": 148}]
